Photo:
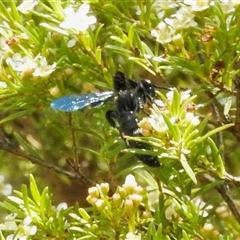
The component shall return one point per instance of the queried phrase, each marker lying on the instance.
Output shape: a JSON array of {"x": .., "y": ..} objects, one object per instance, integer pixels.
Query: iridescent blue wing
[{"x": 80, "y": 101}]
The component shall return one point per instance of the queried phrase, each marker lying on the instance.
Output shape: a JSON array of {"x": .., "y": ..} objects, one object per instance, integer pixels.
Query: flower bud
[
  {"x": 122, "y": 192},
  {"x": 91, "y": 199},
  {"x": 100, "y": 205},
  {"x": 136, "y": 199},
  {"x": 104, "y": 188},
  {"x": 130, "y": 183},
  {"x": 178, "y": 41},
  {"x": 138, "y": 190},
  {"x": 93, "y": 192},
  {"x": 146, "y": 215},
  {"x": 128, "y": 205},
  {"x": 116, "y": 198}
]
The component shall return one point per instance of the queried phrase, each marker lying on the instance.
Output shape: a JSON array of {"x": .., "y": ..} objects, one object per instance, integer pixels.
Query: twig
[
  {"x": 223, "y": 190},
  {"x": 75, "y": 164},
  {"x": 228, "y": 178},
  {"x": 79, "y": 177},
  {"x": 231, "y": 179},
  {"x": 237, "y": 122},
  {"x": 218, "y": 109}
]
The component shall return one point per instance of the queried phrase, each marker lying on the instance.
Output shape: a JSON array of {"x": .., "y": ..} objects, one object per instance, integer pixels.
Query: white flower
[
  {"x": 153, "y": 196},
  {"x": 201, "y": 206},
  {"x": 157, "y": 122},
  {"x": 132, "y": 236},
  {"x": 3, "y": 84},
  {"x": 4, "y": 48},
  {"x": 38, "y": 66},
  {"x": 228, "y": 6},
  {"x": 138, "y": 11},
  {"x": 170, "y": 211},
  {"x": 208, "y": 227},
  {"x": 194, "y": 120},
  {"x": 43, "y": 69},
  {"x": 163, "y": 33},
  {"x": 185, "y": 95},
  {"x": 130, "y": 181},
  {"x": 182, "y": 19},
  {"x": 197, "y": 5},
  {"x": 78, "y": 20},
  {"x": 5, "y": 189},
  {"x": 21, "y": 64},
  {"x": 71, "y": 43},
  {"x": 24, "y": 230},
  {"x": 26, "y": 6},
  {"x": 62, "y": 206},
  {"x": 166, "y": 5},
  {"x": 2, "y": 178},
  {"x": 9, "y": 223}
]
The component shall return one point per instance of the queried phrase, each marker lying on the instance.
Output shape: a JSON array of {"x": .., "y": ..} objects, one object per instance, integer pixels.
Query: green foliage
[{"x": 55, "y": 48}]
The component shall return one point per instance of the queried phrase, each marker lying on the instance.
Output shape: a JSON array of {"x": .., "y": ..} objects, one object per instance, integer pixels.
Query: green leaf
[
  {"x": 17, "y": 115},
  {"x": 141, "y": 62},
  {"x": 54, "y": 29},
  {"x": 217, "y": 159},
  {"x": 7, "y": 15},
  {"x": 34, "y": 190},
  {"x": 14, "y": 12},
  {"x": 151, "y": 231},
  {"x": 1, "y": 236},
  {"x": 25, "y": 198},
  {"x": 176, "y": 100},
  {"x": 214, "y": 131},
  {"x": 113, "y": 10},
  {"x": 207, "y": 187},
  {"x": 87, "y": 42},
  {"x": 27, "y": 147},
  {"x": 118, "y": 39},
  {"x": 29, "y": 34},
  {"x": 187, "y": 168},
  {"x": 12, "y": 208},
  {"x": 44, "y": 203},
  {"x": 120, "y": 50},
  {"x": 173, "y": 129},
  {"x": 185, "y": 235},
  {"x": 98, "y": 55},
  {"x": 131, "y": 35},
  {"x": 84, "y": 214},
  {"x": 227, "y": 106},
  {"x": 165, "y": 101},
  {"x": 96, "y": 36},
  {"x": 190, "y": 135}
]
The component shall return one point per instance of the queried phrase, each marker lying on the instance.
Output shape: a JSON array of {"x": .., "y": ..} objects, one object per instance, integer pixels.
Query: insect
[
  {"x": 125, "y": 119},
  {"x": 130, "y": 95},
  {"x": 146, "y": 91}
]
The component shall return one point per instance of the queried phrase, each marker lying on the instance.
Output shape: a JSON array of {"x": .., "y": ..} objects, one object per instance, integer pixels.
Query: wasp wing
[
  {"x": 77, "y": 102},
  {"x": 121, "y": 82}
]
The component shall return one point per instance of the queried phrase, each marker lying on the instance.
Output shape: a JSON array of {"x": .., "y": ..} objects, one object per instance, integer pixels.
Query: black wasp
[
  {"x": 131, "y": 97},
  {"x": 127, "y": 104}
]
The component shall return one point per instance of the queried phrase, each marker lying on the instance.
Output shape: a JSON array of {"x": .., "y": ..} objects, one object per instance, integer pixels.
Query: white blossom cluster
[
  {"x": 38, "y": 66},
  {"x": 77, "y": 20},
  {"x": 22, "y": 230},
  {"x": 170, "y": 28},
  {"x": 157, "y": 122}
]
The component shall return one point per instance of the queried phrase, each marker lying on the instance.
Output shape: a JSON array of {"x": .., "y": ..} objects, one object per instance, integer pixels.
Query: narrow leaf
[{"x": 187, "y": 168}]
